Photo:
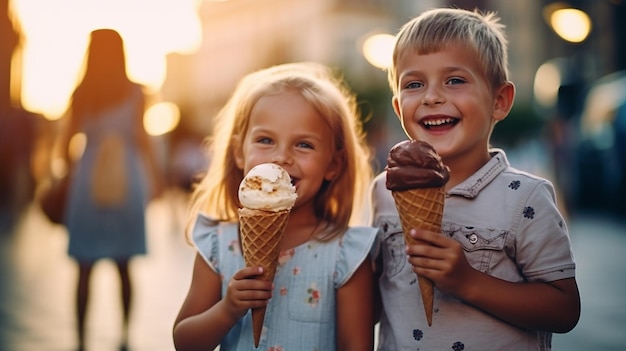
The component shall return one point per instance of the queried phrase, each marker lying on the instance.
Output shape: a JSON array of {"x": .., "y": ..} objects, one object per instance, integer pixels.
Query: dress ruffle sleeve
[
  {"x": 354, "y": 247},
  {"x": 205, "y": 238}
]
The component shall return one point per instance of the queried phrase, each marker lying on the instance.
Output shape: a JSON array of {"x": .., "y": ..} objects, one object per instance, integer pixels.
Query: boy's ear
[
  {"x": 237, "y": 151},
  {"x": 503, "y": 101},
  {"x": 396, "y": 105}
]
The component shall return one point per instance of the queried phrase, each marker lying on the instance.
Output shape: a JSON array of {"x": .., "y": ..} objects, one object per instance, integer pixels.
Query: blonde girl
[{"x": 303, "y": 118}]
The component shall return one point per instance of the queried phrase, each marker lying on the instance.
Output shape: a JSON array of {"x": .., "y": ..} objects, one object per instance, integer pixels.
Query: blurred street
[
  {"x": 38, "y": 282},
  {"x": 38, "y": 279}
]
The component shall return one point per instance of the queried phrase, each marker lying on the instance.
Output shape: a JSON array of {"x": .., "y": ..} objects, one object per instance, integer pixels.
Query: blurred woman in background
[{"x": 115, "y": 176}]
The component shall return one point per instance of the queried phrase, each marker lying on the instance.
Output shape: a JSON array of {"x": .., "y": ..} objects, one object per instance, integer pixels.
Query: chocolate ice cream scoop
[{"x": 415, "y": 164}]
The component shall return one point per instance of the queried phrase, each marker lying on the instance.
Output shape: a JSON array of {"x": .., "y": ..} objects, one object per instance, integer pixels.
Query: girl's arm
[
  {"x": 205, "y": 317},
  {"x": 552, "y": 306},
  {"x": 355, "y": 312}
]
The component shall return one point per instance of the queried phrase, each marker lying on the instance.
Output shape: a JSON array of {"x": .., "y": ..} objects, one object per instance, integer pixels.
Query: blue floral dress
[{"x": 301, "y": 313}]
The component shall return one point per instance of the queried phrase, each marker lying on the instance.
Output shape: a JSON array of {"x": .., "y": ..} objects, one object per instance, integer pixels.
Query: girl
[{"x": 303, "y": 119}]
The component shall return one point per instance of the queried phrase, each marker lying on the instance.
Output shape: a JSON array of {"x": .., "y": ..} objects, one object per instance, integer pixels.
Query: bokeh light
[
  {"x": 378, "y": 49},
  {"x": 161, "y": 118},
  {"x": 546, "y": 85},
  {"x": 571, "y": 24}
]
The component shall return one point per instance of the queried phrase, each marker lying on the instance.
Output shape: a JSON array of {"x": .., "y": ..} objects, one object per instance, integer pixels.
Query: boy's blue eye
[
  {"x": 414, "y": 85},
  {"x": 454, "y": 81}
]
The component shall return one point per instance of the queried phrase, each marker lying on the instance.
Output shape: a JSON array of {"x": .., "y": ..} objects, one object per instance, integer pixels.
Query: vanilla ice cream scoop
[{"x": 267, "y": 187}]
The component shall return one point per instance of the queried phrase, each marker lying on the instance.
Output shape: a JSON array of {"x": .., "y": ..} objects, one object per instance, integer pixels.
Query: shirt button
[{"x": 473, "y": 238}]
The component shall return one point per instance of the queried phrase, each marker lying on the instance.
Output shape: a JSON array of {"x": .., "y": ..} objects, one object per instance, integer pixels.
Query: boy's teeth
[{"x": 437, "y": 122}]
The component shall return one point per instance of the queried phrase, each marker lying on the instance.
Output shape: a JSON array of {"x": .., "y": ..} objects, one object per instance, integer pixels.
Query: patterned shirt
[
  {"x": 509, "y": 226},
  {"x": 301, "y": 314}
]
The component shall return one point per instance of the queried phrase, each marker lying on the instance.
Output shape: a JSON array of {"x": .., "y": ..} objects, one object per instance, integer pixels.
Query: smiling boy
[{"x": 503, "y": 268}]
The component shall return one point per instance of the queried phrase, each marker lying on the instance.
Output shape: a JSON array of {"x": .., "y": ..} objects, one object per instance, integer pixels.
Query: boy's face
[
  {"x": 287, "y": 130},
  {"x": 445, "y": 100}
]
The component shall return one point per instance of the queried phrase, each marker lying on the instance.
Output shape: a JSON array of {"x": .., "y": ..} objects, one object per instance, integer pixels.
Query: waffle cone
[
  {"x": 261, "y": 235},
  {"x": 421, "y": 208}
]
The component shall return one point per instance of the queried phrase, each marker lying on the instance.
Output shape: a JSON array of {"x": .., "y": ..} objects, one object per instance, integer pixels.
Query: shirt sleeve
[
  {"x": 543, "y": 246},
  {"x": 205, "y": 238},
  {"x": 354, "y": 248}
]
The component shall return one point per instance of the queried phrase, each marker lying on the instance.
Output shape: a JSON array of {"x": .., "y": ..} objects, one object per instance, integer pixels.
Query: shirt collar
[{"x": 477, "y": 181}]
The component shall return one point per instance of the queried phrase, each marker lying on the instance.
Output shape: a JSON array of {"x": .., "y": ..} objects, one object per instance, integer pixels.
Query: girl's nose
[{"x": 282, "y": 157}]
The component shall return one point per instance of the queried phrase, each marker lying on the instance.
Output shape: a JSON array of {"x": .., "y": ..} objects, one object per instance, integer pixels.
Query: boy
[{"x": 503, "y": 268}]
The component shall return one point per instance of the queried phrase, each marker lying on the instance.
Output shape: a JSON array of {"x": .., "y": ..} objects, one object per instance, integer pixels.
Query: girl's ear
[
  {"x": 237, "y": 151},
  {"x": 334, "y": 168},
  {"x": 503, "y": 101}
]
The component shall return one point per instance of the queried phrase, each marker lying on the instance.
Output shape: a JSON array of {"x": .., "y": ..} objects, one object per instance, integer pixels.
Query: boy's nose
[{"x": 433, "y": 96}]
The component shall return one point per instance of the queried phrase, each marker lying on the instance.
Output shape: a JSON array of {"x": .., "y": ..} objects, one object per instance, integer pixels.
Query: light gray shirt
[{"x": 509, "y": 226}]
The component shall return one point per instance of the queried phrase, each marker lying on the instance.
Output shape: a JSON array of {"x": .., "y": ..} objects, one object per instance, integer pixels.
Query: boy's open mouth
[{"x": 439, "y": 123}]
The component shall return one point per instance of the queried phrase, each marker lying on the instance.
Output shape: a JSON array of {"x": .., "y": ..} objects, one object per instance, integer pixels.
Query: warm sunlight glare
[
  {"x": 56, "y": 35},
  {"x": 161, "y": 118},
  {"x": 377, "y": 50}
]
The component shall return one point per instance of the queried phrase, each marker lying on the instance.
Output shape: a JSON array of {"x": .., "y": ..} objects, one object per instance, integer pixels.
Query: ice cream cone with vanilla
[
  {"x": 267, "y": 196},
  {"x": 417, "y": 177}
]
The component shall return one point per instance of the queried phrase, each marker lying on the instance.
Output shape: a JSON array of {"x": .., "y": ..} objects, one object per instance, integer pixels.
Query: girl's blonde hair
[
  {"x": 339, "y": 202},
  {"x": 437, "y": 29}
]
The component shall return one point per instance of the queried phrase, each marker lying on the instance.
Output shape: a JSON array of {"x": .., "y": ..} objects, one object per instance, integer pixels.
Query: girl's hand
[
  {"x": 440, "y": 259},
  {"x": 245, "y": 291}
]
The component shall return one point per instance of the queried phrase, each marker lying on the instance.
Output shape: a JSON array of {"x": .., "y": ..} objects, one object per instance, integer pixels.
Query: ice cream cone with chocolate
[
  {"x": 267, "y": 196},
  {"x": 416, "y": 177}
]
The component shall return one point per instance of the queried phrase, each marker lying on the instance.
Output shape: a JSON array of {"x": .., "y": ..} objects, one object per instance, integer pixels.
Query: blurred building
[{"x": 240, "y": 36}]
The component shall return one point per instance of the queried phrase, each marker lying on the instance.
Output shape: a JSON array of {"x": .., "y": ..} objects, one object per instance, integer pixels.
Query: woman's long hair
[{"x": 105, "y": 81}]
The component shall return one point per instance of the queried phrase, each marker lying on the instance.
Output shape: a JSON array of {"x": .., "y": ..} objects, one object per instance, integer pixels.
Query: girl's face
[
  {"x": 445, "y": 100},
  {"x": 286, "y": 130}
]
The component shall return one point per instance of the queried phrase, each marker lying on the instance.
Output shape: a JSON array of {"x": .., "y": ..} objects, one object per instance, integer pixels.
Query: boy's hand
[
  {"x": 440, "y": 259},
  {"x": 245, "y": 291}
]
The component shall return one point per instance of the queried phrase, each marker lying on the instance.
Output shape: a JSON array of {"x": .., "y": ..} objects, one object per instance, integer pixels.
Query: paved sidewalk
[
  {"x": 38, "y": 280},
  {"x": 599, "y": 245}
]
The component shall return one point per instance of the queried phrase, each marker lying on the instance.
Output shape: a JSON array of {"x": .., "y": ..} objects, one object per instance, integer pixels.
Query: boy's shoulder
[
  {"x": 379, "y": 186},
  {"x": 497, "y": 170}
]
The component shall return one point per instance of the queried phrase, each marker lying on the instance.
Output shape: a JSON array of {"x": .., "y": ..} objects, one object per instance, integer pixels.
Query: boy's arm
[
  {"x": 552, "y": 306},
  {"x": 205, "y": 317},
  {"x": 355, "y": 315}
]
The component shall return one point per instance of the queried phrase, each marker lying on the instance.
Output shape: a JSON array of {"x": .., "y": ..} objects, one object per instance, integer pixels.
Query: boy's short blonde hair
[{"x": 437, "y": 29}]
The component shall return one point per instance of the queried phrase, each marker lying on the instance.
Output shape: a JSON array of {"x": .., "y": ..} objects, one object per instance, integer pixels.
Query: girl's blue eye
[
  {"x": 305, "y": 145},
  {"x": 264, "y": 140}
]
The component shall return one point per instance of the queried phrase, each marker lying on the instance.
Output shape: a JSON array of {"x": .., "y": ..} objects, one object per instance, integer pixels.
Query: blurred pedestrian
[
  {"x": 114, "y": 178},
  {"x": 503, "y": 268}
]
